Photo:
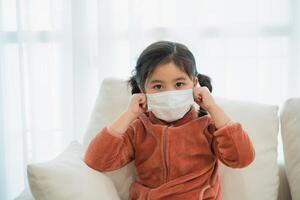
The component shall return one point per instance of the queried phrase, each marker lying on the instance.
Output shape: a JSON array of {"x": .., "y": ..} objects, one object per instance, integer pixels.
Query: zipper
[
  {"x": 165, "y": 145},
  {"x": 201, "y": 194}
]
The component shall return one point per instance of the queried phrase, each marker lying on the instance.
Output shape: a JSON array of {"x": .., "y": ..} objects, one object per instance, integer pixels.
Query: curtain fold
[
  {"x": 48, "y": 81},
  {"x": 55, "y": 53}
]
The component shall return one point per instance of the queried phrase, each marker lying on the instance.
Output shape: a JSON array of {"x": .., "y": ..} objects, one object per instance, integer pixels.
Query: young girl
[{"x": 175, "y": 148}]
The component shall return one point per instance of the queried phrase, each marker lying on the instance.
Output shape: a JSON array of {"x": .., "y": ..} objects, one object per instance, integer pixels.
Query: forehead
[{"x": 167, "y": 72}]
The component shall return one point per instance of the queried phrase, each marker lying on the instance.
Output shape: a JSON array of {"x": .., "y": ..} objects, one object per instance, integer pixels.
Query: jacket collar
[{"x": 189, "y": 116}]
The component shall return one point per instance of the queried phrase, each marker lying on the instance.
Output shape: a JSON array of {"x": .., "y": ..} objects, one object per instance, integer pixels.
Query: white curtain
[
  {"x": 54, "y": 54},
  {"x": 48, "y": 82}
]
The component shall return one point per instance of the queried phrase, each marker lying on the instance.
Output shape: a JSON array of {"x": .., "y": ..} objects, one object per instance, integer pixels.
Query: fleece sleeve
[
  {"x": 110, "y": 151},
  {"x": 232, "y": 145}
]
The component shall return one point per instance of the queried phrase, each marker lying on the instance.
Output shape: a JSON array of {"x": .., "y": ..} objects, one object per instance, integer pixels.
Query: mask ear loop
[
  {"x": 143, "y": 92},
  {"x": 195, "y": 85},
  {"x": 196, "y": 79},
  {"x": 147, "y": 108}
]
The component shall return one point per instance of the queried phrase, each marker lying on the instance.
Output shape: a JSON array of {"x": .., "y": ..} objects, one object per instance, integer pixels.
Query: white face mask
[{"x": 170, "y": 105}]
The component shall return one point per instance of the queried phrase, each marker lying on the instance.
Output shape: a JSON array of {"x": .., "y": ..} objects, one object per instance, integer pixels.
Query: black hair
[{"x": 162, "y": 52}]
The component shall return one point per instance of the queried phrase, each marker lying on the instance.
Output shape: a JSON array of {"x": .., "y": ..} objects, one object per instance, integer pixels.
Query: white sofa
[{"x": 67, "y": 176}]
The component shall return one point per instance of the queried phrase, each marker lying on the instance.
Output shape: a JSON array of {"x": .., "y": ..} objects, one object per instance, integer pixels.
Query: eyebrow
[{"x": 176, "y": 79}]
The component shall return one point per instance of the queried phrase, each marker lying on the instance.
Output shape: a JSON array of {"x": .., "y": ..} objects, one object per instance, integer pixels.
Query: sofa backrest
[{"x": 290, "y": 131}]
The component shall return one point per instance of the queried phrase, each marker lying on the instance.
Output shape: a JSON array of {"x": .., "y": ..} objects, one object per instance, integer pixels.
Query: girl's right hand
[{"x": 137, "y": 104}]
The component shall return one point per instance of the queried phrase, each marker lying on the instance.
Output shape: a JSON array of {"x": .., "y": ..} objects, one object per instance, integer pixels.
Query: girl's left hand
[{"x": 203, "y": 97}]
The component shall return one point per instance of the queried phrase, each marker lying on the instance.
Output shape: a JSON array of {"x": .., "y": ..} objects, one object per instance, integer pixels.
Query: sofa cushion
[
  {"x": 257, "y": 181},
  {"x": 68, "y": 177},
  {"x": 260, "y": 179},
  {"x": 290, "y": 131}
]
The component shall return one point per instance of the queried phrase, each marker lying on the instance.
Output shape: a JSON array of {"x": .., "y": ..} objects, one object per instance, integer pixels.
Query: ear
[{"x": 195, "y": 81}]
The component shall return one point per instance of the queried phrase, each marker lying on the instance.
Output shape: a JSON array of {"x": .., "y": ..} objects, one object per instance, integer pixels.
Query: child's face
[{"x": 166, "y": 77}]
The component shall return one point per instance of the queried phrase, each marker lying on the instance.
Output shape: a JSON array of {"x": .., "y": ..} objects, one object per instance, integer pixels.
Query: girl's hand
[
  {"x": 137, "y": 104},
  {"x": 203, "y": 97}
]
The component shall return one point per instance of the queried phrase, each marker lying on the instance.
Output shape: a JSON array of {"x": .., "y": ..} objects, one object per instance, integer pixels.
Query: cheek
[{"x": 148, "y": 90}]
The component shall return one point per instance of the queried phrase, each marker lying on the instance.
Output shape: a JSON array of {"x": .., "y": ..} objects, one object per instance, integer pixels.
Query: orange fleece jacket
[{"x": 174, "y": 161}]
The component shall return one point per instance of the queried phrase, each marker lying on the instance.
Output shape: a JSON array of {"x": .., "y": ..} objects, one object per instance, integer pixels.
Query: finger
[
  {"x": 198, "y": 94},
  {"x": 141, "y": 99},
  {"x": 143, "y": 103},
  {"x": 141, "y": 96},
  {"x": 199, "y": 97}
]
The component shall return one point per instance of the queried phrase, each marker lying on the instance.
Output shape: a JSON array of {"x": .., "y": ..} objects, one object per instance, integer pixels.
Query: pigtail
[
  {"x": 134, "y": 85},
  {"x": 204, "y": 81}
]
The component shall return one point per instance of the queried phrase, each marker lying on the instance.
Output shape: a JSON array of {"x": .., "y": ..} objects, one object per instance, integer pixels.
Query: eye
[
  {"x": 157, "y": 87},
  {"x": 179, "y": 84}
]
